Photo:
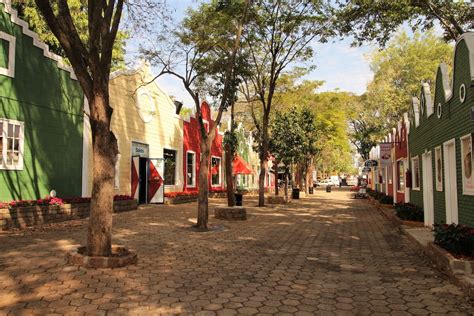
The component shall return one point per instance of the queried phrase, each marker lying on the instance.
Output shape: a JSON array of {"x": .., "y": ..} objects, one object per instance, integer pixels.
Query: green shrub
[
  {"x": 455, "y": 238},
  {"x": 409, "y": 212},
  {"x": 386, "y": 199}
]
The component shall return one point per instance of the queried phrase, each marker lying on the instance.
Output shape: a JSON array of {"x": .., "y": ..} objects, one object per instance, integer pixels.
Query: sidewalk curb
[{"x": 443, "y": 260}]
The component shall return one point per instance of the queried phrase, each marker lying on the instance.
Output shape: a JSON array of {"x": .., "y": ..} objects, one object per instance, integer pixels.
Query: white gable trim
[
  {"x": 36, "y": 41},
  {"x": 416, "y": 110},
  {"x": 428, "y": 101}
]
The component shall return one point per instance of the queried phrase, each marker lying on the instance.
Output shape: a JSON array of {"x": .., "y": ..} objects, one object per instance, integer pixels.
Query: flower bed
[
  {"x": 180, "y": 197},
  {"x": 21, "y": 214}
]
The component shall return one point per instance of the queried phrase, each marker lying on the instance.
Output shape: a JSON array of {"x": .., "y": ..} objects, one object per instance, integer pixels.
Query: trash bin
[
  {"x": 295, "y": 194},
  {"x": 328, "y": 188},
  {"x": 310, "y": 190},
  {"x": 239, "y": 199}
]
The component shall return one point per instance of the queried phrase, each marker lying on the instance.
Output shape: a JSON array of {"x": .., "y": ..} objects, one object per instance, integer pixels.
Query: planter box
[
  {"x": 27, "y": 216},
  {"x": 181, "y": 199},
  {"x": 276, "y": 199}
]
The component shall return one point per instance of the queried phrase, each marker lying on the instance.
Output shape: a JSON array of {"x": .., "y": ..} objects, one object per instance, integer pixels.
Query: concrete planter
[
  {"x": 181, "y": 199},
  {"x": 230, "y": 213},
  {"x": 276, "y": 199}
]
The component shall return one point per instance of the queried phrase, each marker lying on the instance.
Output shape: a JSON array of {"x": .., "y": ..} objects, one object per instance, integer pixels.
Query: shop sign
[
  {"x": 385, "y": 154},
  {"x": 139, "y": 149}
]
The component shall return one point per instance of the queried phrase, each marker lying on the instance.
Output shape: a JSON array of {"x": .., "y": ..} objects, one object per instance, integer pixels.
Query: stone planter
[
  {"x": 181, "y": 199},
  {"x": 27, "y": 216},
  {"x": 276, "y": 199},
  {"x": 121, "y": 257},
  {"x": 230, "y": 213}
]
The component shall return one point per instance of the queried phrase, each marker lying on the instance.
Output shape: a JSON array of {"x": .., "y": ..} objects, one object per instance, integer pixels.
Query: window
[
  {"x": 7, "y": 55},
  {"x": 390, "y": 174},
  {"x": 215, "y": 171},
  {"x": 170, "y": 166},
  {"x": 191, "y": 169},
  {"x": 467, "y": 162},
  {"x": 11, "y": 144},
  {"x": 401, "y": 176},
  {"x": 415, "y": 172},
  {"x": 439, "y": 169},
  {"x": 117, "y": 172},
  {"x": 206, "y": 126}
]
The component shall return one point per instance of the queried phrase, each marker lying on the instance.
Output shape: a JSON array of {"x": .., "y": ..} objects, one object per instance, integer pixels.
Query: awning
[{"x": 239, "y": 166}]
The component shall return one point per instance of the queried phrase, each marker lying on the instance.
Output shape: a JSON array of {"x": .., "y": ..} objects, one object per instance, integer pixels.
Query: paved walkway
[{"x": 324, "y": 255}]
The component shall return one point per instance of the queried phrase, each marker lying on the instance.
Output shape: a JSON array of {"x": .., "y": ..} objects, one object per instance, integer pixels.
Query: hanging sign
[
  {"x": 370, "y": 163},
  {"x": 385, "y": 154},
  {"x": 139, "y": 149},
  {"x": 366, "y": 169}
]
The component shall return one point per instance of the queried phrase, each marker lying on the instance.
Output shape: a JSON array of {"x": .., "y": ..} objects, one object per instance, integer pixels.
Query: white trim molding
[
  {"x": 467, "y": 162},
  {"x": 36, "y": 41},
  {"x": 414, "y": 173},
  {"x": 21, "y": 142},
  {"x": 194, "y": 169},
  {"x": 10, "y": 70}
]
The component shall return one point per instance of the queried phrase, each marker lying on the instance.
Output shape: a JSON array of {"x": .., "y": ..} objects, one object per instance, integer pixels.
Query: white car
[{"x": 326, "y": 182}]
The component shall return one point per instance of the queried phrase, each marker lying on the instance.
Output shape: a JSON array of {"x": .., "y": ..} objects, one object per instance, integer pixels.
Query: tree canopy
[
  {"x": 379, "y": 20},
  {"x": 28, "y": 11}
]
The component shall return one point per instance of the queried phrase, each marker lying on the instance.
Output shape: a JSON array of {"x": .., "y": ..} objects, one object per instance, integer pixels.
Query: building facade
[
  {"x": 191, "y": 152},
  {"x": 41, "y": 120},
  {"x": 149, "y": 134},
  {"x": 441, "y": 141}
]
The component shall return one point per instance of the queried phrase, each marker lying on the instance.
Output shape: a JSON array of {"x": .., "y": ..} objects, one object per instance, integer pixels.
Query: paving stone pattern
[{"x": 324, "y": 255}]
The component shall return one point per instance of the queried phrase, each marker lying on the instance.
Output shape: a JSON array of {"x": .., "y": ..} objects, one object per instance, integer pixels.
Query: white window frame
[
  {"x": 413, "y": 175},
  {"x": 117, "y": 168},
  {"x": 194, "y": 169},
  {"x": 466, "y": 191},
  {"x": 176, "y": 173},
  {"x": 4, "y": 131},
  {"x": 220, "y": 172},
  {"x": 439, "y": 154},
  {"x": 10, "y": 71}
]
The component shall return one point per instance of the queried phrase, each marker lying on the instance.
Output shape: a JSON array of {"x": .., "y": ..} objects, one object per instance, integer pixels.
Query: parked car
[{"x": 326, "y": 182}]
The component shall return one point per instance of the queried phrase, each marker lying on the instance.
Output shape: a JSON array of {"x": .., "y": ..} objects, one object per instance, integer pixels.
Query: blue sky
[{"x": 337, "y": 63}]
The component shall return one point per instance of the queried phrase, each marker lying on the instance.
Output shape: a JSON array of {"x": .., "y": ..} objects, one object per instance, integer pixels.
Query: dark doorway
[{"x": 143, "y": 182}]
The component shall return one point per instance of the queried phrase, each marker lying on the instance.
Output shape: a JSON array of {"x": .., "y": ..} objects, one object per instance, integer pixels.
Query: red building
[
  {"x": 401, "y": 164},
  {"x": 192, "y": 152}
]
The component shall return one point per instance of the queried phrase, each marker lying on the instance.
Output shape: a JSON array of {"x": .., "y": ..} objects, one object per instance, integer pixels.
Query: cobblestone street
[{"x": 327, "y": 254}]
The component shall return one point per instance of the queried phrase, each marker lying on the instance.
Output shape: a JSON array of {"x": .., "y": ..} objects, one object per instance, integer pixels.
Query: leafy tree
[
  {"x": 205, "y": 58},
  {"x": 378, "y": 20},
  {"x": 398, "y": 71},
  {"x": 91, "y": 58},
  {"x": 286, "y": 141},
  {"x": 279, "y": 36},
  {"x": 78, "y": 10}
]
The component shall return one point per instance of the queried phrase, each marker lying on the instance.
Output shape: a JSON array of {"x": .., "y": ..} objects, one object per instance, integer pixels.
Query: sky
[{"x": 338, "y": 64}]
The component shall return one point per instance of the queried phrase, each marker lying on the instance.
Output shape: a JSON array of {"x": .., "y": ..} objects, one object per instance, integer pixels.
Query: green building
[
  {"x": 41, "y": 116},
  {"x": 441, "y": 141}
]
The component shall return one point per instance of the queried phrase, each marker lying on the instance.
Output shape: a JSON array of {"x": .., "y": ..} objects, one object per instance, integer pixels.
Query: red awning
[{"x": 239, "y": 166}]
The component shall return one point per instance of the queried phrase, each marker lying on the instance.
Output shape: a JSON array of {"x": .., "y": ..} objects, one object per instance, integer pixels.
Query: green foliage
[
  {"x": 287, "y": 137},
  {"x": 378, "y": 20},
  {"x": 398, "y": 71},
  {"x": 456, "y": 238},
  {"x": 409, "y": 212},
  {"x": 27, "y": 10},
  {"x": 230, "y": 139}
]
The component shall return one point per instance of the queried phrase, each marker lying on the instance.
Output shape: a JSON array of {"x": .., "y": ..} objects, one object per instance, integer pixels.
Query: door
[
  {"x": 143, "y": 181},
  {"x": 428, "y": 205},
  {"x": 135, "y": 176},
  {"x": 156, "y": 192},
  {"x": 451, "y": 189}
]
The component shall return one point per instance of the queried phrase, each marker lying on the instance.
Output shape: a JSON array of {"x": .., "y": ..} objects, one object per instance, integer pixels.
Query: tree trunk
[
  {"x": 275, "y": 166},
  {"x": 263, "y": 160},
  {"x": 286, "y": 184},
  {"x": 309, "y": 177},
  {"x": 203, "y": 197},
  {"x": 229, "y": 177},
  {"x": 99, "y": 236}
]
